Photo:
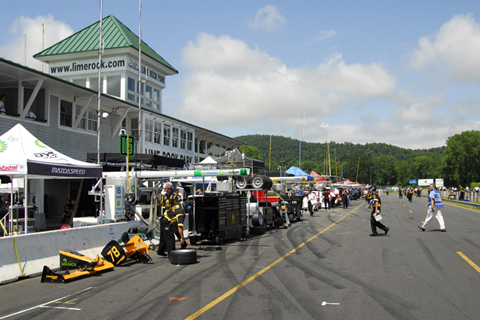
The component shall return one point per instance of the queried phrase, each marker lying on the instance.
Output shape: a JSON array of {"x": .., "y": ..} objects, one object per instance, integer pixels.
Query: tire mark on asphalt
[
  {"x": 472, "y": 243},
  {"x": 430, "y": 256},
  {"x": 395, "y": 305},
  {"x": 386, "y": 261}
]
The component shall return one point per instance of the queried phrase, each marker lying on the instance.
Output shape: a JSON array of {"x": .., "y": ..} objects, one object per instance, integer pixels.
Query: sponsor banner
[
  {"x": 6, "y": 169},
  {"x": 412, "y": 181},
  {"x": 439, "y": 182},
  {"x": 64, "y": 170},
  {"x": 425, "y": 182}
]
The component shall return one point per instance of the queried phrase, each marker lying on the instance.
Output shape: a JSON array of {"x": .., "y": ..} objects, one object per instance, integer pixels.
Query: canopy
[
  {"x": 234, "y": 159},
  {"x": 317, "y": 177},
  {"x": 208, "y": 160},
  {"x": 21, "y": 154},
  {"x": 297, "y": 172}
]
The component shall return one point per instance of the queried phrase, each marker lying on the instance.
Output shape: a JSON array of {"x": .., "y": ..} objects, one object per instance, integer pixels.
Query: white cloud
[
  {"x": 268, "y": 18},
  {"x": 32, "y": 28},
  {"x": 230, "y": 84},
  {"x": 455, "y": 47}
]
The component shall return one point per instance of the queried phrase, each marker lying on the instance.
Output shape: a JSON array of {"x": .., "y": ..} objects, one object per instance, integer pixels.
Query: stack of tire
[{"x": 257, "y": 182}]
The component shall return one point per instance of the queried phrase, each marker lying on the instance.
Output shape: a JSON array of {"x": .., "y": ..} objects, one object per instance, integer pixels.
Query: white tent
[
  {"x": 207, "y": 163},
  {"x": 22, "y": 155},
  {"x": 208, "y": 160}
]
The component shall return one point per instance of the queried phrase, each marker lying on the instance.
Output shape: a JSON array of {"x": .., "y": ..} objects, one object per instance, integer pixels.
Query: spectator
[
  {"x": 30, "y": 115},
  {"x": 3, "y": 97}
]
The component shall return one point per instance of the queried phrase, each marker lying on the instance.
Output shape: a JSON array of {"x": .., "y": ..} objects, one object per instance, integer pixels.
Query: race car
[{"x": 74, "y": 264}]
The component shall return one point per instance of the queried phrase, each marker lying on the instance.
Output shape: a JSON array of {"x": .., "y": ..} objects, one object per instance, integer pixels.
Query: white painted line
[
  {"x": 64, "y": 308},
  {"x": 324, "y": 303},
  {"x": 44, "y": 304}
]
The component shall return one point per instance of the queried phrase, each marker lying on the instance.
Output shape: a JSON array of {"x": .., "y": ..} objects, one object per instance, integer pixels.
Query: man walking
[
  {"x": 374, "y": 223},
  {"x": 434, "y": 206},
  {"x": 326, "y": 198},
  {"x": 312, "y": 200}
]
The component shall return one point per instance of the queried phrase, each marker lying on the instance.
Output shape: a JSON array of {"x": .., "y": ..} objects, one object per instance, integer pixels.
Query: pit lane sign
[{"x": 124, "y": 140}]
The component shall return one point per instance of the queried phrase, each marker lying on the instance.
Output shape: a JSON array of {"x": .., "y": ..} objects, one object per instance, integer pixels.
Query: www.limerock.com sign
[{"x": 88, "y": 66}]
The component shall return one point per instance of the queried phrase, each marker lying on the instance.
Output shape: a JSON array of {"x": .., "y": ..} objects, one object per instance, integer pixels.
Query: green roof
[{"x": 114, "y": 35}]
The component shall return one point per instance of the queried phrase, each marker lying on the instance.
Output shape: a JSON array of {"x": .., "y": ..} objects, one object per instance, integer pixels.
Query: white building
[{"x": 65, "y": 102}]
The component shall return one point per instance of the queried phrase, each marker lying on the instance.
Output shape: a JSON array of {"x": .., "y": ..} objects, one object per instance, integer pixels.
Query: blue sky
[{"x": 405, "y": 72}]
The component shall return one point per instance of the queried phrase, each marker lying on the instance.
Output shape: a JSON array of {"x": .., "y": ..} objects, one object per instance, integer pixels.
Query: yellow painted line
[
  {"x": 259, "y": 273},
  {"x": 410, "y": 211},
  {"x": 404, "y": 205},
  {"x": 470, "y": 262}
]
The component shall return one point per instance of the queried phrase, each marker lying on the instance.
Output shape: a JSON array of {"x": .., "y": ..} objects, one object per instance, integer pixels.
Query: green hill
[{"x": 378, "y": 163}]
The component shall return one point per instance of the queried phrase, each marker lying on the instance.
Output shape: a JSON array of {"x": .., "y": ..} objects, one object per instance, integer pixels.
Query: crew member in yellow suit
[{"x": 171, "y": 220}]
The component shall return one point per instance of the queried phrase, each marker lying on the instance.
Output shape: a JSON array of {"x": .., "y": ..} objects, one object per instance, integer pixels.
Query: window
[
  {"x": 189, "y": 141},
  {"x": 93, "y": 83},
  {"x": 202, "y": 146},
  {"x": 38, "y": 104},
  {"x": 175, "y": 137},
  {"x": 149, "y": 130},
  {"x": 92, "y": 120},
  {"x": 166, "y": 135},
  {"x": 113, "y": 85},
  {"x": 183, "y": 139},
  {"x": 156, "y": 100},
  {"x": 150, "y": 96},
  {"x": 131, "y": 84},
  {"x": 66, "y": 112},
  {"x": 70, "y": 113},
  {"x": 148, "y": 92},
  {"x": 157, "y": 134},
  {"x": 83, "y": 121},
  {"x": 134, "y": 127},
  {"x": 81, "y": 82}
]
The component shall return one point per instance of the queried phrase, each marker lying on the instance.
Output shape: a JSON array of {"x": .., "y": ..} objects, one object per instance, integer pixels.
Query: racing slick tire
[
  {"x": 183, "y": 256},
  {"x": 261, "y": 182},
  {"x": 257, "y": 219},
  {"x": 243, "y": 182}
]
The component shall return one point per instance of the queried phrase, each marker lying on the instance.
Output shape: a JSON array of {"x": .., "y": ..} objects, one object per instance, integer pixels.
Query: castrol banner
[{"x": 9, "y": 168}]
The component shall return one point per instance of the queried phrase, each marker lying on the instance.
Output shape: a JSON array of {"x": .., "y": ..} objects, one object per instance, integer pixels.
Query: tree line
[{"x": 458, "y": 163}]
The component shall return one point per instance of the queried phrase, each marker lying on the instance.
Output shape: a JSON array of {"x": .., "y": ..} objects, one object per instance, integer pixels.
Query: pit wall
[{"x": 36, "y": 250}]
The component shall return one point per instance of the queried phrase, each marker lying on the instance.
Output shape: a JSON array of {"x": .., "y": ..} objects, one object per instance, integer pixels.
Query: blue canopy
[{"x": 297, "y": 172}]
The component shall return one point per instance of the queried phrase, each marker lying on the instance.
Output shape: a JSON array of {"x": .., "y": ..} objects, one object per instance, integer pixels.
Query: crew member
[
  {"x": 374, "y": 223},
  {"x": 130, "y": 209},
  {"x": 434, "y": 205},
  {"x": 462, "y": 193},
  {"x": 410, "y": 194},
  {"x": 345, "y": 196},
  {"x": 171, "y": 220},
  {"x": 312, "y": 200},
  {"x": 326, "y": 198}
]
